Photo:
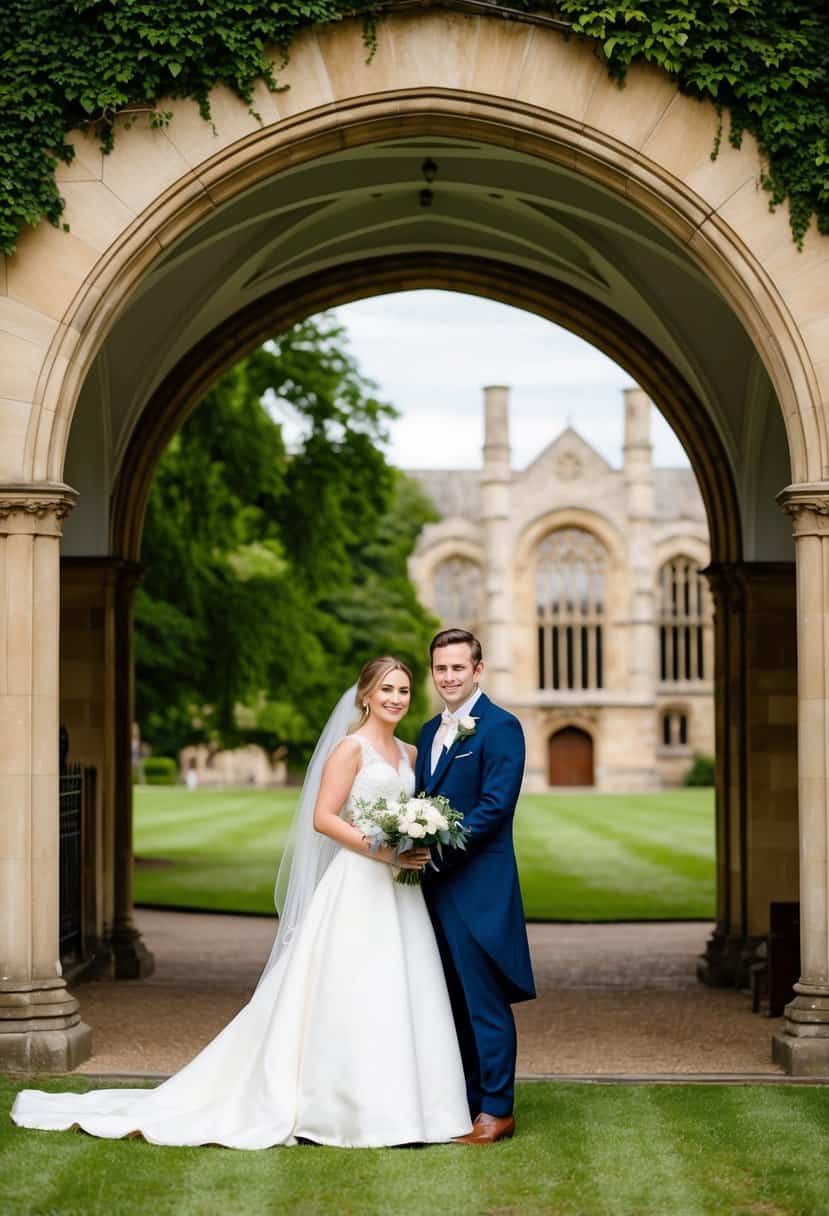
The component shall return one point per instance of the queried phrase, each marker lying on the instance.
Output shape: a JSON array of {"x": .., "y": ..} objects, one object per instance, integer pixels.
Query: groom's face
[{"x": 455, "y": 674}]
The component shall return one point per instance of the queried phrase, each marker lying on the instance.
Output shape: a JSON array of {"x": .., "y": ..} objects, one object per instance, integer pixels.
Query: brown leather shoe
[{"x": 487, "y": 1129}]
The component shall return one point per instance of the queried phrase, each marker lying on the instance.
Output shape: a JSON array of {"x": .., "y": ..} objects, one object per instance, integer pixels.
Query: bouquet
[{"x": 406, "y": 823}]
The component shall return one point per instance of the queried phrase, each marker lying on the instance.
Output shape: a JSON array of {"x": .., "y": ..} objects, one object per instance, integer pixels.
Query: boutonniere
[{"x": 466, "y": 727}]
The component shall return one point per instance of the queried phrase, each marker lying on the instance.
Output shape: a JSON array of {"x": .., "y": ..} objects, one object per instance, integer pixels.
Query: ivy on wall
[{"x": 81, "y": 63}]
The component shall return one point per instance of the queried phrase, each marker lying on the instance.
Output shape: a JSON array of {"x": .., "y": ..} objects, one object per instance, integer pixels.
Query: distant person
[
  {"x": 349, "y": 1038},
  {"x": 192, "y": 775},
  {"x": 137, "y": 755}
]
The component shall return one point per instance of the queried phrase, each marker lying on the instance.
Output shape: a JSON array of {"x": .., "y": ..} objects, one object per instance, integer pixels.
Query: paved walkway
[{"x": 613, "y": 1000}]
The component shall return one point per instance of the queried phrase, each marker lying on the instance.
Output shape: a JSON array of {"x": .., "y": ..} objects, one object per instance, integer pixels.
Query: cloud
[{"x": 432, "y": 352}]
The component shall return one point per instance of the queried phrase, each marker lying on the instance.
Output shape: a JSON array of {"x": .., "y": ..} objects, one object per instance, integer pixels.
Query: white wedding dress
[{"x": 348, "y": 1040}]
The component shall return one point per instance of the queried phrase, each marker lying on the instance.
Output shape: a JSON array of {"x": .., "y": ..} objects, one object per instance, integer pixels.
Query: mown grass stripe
[
  {"x": 585, "y": 857},
  {"x": 581, "y": 1150}
]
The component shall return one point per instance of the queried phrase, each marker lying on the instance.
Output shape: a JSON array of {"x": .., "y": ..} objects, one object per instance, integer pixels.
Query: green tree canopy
[{"x": 273, "y": 574}]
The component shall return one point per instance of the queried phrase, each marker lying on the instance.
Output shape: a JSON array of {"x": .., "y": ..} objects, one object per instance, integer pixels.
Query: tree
[{"x": 272, "y": 574}]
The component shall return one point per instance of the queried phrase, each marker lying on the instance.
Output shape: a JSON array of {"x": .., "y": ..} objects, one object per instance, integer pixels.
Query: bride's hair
[{"x": 371, "y": 676}]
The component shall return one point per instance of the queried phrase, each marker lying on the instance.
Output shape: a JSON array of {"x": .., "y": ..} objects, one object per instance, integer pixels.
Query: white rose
[
  {"x": 416, "y": 830},
  {"x": 467, "y": 722},
  {"x": 393, "y": 808},
  {"x": 418, "y": 806}
]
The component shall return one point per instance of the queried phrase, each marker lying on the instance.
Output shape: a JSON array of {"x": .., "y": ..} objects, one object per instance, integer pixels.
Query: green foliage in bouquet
[{"x": 428, "y": 821}]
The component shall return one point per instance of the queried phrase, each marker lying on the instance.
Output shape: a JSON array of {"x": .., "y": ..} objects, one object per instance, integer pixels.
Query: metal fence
[{"x": 76, "y": 793}]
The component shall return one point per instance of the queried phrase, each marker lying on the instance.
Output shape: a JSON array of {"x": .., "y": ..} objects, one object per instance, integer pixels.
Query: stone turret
[
  {"x": 496, "y": 483},
  {"x": 638, "y": 469}
]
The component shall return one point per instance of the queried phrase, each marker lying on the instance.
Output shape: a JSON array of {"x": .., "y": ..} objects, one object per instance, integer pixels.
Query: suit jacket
[{"x": 481, "y": 776}]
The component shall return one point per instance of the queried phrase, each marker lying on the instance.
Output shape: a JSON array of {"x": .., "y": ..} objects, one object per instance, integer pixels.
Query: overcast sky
[{"x": 432, "y": 352}]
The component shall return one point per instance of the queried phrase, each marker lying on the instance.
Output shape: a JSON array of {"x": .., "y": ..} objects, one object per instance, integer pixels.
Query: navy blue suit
[{"x": 475, "y": 901}]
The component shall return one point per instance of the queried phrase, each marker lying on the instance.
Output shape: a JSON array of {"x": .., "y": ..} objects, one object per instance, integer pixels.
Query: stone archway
[{"x": 507, "y": 100}]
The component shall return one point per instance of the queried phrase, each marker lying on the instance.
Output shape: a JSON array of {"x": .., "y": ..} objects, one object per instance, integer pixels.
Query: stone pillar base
[
  {"x": 96, "y": 963},
  {"x": 41, "y": 1028},
  {"x": 802, "y": 1046},
  {"x": 800, "y": 1057},
  {"x": 131, "y": 960}
]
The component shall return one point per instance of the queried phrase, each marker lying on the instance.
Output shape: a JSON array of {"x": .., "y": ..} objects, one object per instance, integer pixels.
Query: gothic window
[
  {"x": 570, "y": 607},
  {"x": 674, "y": 728},
  {"x": 458, "y": 593},
  {"x": 683, "y": 609}
]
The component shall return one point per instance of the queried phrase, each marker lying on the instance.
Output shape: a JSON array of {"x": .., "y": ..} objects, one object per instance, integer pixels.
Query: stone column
[
  {"x": 131, "y": 958},
  {"x": 719, "y": 965},
  {"x": 40, "y": 1024},
  {"x": 756, "y": 723},
  {"x": 496, "y": 484},
  {"x": 802, "y": 1047}
]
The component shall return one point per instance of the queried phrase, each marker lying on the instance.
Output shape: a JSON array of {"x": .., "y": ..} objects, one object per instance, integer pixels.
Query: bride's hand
[{"x": 413, "y": 859}]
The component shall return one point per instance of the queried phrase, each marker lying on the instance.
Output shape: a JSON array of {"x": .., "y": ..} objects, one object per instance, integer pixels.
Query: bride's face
[{"x": 390, "y": 700}]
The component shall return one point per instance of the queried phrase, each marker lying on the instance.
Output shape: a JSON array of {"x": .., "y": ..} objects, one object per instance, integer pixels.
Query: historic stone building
[{"x": 605, "y": 635}]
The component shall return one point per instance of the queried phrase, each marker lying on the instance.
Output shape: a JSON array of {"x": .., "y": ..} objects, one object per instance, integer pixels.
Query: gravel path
[{"x": 613, "y": 999}]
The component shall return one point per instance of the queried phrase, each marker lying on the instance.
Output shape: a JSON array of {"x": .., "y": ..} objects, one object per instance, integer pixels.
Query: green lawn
[
  {"x": 582, "y": 1150},
  {"x": 581, "y": 856}
]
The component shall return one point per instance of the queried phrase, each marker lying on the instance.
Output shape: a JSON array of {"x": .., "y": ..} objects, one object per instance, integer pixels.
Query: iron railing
[{"x": 76, "y": 795}]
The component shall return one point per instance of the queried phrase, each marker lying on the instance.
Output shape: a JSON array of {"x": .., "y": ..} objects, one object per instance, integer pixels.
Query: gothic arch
[
  {"x": 515, "y": 91},
  {"x": 181, "y": 390},
  {"x": 525, "y": 86},
  {"x": 693, "y": 547},
  {"x": 570, "y": 517}
]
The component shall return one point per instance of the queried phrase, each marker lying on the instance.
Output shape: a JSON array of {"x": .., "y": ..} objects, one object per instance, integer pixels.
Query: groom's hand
[{"x": 413, "y": 859}]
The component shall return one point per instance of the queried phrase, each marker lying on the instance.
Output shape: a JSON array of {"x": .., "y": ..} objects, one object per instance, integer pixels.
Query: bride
[{"x": 348, "y": 1038}]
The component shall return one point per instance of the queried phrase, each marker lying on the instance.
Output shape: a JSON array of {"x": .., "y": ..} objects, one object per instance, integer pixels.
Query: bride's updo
[{"x": 371, "y": 676}]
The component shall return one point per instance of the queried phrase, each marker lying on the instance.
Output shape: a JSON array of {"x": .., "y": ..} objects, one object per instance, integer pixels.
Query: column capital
[
  {"x": 808, "y": 505},
  {"x": 734, "y": 580},
  {"x": 36, "y": 507},
  {"x": 727, "y": 585}
]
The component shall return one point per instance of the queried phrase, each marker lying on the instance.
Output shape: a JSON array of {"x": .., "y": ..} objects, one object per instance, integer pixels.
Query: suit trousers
[{"x": 483, "y": 1018}]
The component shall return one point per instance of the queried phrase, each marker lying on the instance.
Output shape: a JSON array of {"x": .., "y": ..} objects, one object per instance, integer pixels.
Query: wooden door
[{"x": 571, "y": 757}]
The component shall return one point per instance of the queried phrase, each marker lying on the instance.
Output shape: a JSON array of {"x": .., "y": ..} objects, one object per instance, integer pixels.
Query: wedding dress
[{"x": 348, "y": 1040}]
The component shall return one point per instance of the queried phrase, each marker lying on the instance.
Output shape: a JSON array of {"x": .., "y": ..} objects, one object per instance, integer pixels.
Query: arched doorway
[
  {"x": 600, "y": 209},
  {"x": 570, "y": 757}
]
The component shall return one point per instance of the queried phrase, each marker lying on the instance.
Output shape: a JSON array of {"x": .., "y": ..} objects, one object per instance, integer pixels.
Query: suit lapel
[{"x": 442, "y": 764}]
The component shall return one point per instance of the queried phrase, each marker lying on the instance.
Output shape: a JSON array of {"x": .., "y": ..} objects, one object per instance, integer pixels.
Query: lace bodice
[{"x": 377, "y": 778}]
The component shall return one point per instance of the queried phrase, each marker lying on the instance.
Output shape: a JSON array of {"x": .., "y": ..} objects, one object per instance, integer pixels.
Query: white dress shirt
[{"x": 445, "y": 733}]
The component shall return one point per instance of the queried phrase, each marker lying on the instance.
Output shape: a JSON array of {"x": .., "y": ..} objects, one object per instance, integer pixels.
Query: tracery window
[
  {"x": 683, "y": 608},
  {"x": 457, "y": 583},
  {"x": 571, "y": 567}
]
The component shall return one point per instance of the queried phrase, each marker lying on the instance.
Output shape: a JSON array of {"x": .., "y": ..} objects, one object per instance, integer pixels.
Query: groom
[{"x": 473, "y": 754}]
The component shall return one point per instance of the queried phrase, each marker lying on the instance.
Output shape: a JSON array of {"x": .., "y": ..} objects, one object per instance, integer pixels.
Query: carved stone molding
[
  {"x": 808, "y": 506},
  {"x": 727, "y": 586},
  {"x": 585, "y": 719},
  {"x": 36, "y": 503},
  {"x": 732, "y": 583},
  {"x": 568, "y": 466}
]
